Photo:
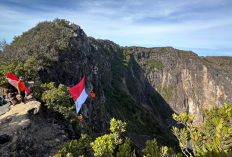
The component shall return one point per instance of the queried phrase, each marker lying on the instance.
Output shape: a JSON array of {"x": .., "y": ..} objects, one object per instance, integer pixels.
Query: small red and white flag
[
  {"x": 13, "y": 81},
  {"x": 78, "y": 93}
]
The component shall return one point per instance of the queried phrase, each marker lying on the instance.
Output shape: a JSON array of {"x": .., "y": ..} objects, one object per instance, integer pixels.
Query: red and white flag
[
  {"x": 13, "y": 81},
  {"x": 79, "y": 94}
]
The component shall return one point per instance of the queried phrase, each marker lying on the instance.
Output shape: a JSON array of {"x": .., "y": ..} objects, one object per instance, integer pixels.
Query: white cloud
[{"x": 181, "y": 23}]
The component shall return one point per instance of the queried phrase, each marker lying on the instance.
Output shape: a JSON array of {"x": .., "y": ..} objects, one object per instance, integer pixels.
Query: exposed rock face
[
  {"x": 187, "y": 82},
  {"x": 76, "y": 63},
  {"x": 30, "y": 134}
]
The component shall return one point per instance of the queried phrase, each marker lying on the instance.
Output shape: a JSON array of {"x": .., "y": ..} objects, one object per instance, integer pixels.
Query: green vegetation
[
  {"x": 167, "y": 92},
  {"x": 102, "y": 146},
  {"x": 207, "y": 60},
  {"x": 58, "y": 99},
  {"x": 106, "y": 144},
  {"x": 75, "y": 148},
  {"x": 127, "y": 51},
  {"x": 121, "y": 105},
  {"x": 28, "y": 70},
  {"x": 152, "y": 150},
  {"x": 127, "y": 55},
  {"x": 125, "y": 149},
  {"x": 181, "y": 54},
  {"x": 162, "y": 50},
  {"x": 160, "y": 110},
  {"x": 212, "y": 139},
  {"x": 219, "y": 62},
  {"x": 151, "y": 63},
  {"x": 45, "y": 42}
]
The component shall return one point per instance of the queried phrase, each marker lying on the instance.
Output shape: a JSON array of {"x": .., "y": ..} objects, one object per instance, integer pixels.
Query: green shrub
[
  {"x": 213, "y": 138},
  {"x": 75, "y": 148},
  {"x": 57, "y": 98},
  {"x": 152, "y": 150},
  {"x": 125, "y": 149},
  {"x": 38, "y": 90},
  {"x": 152, "y": 63},
  {"x": 106, "y": 144}
]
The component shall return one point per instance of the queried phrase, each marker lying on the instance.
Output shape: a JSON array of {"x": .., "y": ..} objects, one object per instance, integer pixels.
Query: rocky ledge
[{"x": 30, "y": 134}]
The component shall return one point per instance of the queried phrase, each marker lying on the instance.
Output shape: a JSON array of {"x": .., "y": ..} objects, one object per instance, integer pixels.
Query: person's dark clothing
[
  {"x": 22, "y": 93},
  {"x": 40, "y": 72},
  {"x": 4, "y": 138}
]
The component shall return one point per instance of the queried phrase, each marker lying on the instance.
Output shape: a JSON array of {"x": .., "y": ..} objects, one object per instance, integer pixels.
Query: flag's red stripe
[
  {"x": 11, "y": 76},
  {"x": 77, "y": 90},
  {"x": 26, "y": 90}
]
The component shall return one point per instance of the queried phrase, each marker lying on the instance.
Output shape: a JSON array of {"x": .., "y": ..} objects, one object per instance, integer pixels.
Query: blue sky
[{"x": 203, "y": 26}]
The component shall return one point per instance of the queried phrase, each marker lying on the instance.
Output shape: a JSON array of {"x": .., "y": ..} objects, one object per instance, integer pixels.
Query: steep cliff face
[
  {"x": 127, "y": 91},
  {"x": 77, "y": 62},
  {"x": 188, "y": 83}
]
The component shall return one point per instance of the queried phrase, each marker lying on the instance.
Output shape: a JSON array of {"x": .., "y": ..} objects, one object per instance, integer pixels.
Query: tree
[
  {"x": 57, "y": 98},
  {"x": 212, "y": 139},
  {"x": 3, "y": 44}
]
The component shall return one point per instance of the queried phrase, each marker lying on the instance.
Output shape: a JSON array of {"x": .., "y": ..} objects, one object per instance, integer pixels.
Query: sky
[{"x": 202, "y": 26}]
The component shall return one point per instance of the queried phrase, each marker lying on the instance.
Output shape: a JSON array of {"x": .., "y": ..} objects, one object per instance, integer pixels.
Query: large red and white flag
[
  {"x": 78, "y": 93},
  {"x": 13, "y": 81}
]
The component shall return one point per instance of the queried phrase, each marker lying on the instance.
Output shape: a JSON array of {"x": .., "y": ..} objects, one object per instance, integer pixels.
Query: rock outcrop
[{"x": 30, "y": 134}]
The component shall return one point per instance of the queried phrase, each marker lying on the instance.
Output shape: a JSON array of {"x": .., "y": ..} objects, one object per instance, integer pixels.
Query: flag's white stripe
[
  {"x": 80, "y": 100},
  {"x": 13, "y": 83}
]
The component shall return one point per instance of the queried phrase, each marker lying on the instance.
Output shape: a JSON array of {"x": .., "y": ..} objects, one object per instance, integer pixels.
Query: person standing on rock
[{"x": 21, "y": 88}]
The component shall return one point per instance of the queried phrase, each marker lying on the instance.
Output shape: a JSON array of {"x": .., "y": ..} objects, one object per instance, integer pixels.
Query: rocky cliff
[{"x": 187, "y": 82}]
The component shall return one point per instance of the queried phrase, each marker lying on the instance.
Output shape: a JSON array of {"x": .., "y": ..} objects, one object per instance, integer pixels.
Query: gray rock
[
  {"x": 4, "y": 109},
  {"x": 71, "y": 131},
  {"x": 30, "y": 134},
  {"x": 46, "y": 155},
  {"x": 56, "y": 126}
]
